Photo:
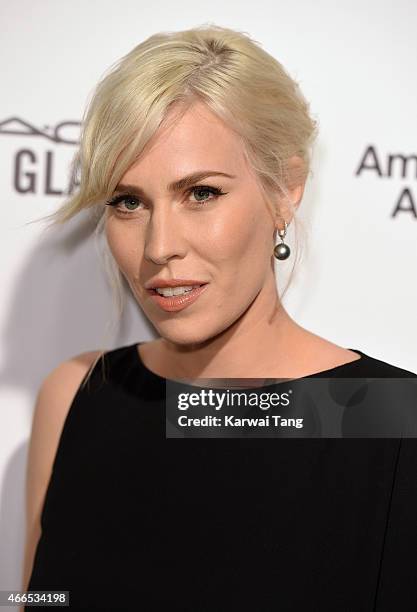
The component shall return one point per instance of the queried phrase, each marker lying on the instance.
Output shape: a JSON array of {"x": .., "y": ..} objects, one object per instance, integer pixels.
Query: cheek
[
  {"x": 239, "y": 249},
  {"x": 240, "y": 238},
  {"x": 124, "y": 246}
]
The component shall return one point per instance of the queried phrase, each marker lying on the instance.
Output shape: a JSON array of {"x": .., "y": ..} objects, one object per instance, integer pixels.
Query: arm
[{"x": 53, "y": 402}]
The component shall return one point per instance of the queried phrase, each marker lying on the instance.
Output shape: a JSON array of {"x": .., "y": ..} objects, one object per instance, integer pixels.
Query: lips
[
  {"x": 153, "y": 291},
  {"x": 177, "y": 302},
  {"x": 173, "y": 282}
]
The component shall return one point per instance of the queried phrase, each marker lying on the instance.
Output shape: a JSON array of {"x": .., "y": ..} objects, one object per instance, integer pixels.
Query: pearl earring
[{"x": 282, "y": 250}]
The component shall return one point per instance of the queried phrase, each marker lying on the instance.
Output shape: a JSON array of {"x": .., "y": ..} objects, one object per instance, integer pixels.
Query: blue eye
[
  {"x": 216, "y": 191},
  {"x": 132, "y": 202},
  {"x": 126, "y": 197}
]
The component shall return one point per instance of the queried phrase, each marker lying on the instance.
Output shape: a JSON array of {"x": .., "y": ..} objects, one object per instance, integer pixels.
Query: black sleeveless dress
[{"x": 135, "y": 521}]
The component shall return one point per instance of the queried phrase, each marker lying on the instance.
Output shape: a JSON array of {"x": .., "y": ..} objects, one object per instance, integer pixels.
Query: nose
[{"x": 164, "y": 236}]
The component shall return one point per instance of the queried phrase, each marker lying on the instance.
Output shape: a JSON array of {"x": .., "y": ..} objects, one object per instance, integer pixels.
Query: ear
[
  {"x": 295, "y": 184},
  {"x": 296, "y": 179}
]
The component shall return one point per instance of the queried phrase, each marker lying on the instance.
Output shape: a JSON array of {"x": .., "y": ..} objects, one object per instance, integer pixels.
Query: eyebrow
[{"x": 179, "y": 185}]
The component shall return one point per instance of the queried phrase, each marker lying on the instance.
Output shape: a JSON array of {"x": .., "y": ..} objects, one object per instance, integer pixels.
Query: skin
[{"x": 238, "y": 327}]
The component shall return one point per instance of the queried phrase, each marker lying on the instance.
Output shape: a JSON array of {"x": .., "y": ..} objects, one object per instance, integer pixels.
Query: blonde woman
[{"x": 194, "y": 155}]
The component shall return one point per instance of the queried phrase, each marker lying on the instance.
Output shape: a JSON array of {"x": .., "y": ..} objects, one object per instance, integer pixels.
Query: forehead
[{"x": 188, "y": 140}]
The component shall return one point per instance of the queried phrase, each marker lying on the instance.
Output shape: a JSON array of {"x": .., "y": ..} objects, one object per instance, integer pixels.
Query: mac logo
[
  {"x": 63, "y": 132},
  {"x": 38, "y": 167}
]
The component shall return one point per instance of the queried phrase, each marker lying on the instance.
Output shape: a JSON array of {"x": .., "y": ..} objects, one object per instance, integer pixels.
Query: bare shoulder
[
  {"x": 57, "y": 391},
  {"x": 53, "y": 401},
  {"x": 66, "y": 377}
]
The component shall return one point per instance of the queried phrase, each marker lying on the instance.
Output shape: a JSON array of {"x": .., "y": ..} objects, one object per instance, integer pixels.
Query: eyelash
[{"x": 216, "y": 191}]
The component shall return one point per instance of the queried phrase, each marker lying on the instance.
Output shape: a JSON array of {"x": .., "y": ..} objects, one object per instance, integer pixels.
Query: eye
[
  {"x": 131, "y": 203},
  {"x": 215, "y": 191}
]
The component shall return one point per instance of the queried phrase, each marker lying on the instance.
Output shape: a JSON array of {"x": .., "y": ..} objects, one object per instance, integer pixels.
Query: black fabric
[{"x": 135, "y": 521}]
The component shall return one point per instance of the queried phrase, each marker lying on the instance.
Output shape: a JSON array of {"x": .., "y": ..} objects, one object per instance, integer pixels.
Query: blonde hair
[{"x": 229, "y": 71}]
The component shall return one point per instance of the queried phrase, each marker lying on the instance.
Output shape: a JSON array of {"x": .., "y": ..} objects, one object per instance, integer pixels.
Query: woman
[{"x": 194, "y": 155}]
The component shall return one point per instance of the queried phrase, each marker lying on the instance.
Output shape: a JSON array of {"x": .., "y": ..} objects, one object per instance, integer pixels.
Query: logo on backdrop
[
  {"x": 395, "y": 166},
  {"x": 34, "y": 166}
]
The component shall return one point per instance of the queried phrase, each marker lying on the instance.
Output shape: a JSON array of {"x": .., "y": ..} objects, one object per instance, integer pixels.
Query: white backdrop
[{"x": 356, "y": 284}]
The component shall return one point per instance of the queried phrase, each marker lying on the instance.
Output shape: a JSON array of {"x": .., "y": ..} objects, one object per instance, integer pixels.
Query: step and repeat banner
[{"x": 355, "y": 283}]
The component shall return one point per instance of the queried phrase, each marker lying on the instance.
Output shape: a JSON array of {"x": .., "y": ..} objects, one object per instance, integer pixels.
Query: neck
[{"x": 263, "y": 342}]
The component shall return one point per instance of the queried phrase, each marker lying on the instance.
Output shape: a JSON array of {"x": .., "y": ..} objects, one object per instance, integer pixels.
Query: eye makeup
[{"x": 129, "y": 197}]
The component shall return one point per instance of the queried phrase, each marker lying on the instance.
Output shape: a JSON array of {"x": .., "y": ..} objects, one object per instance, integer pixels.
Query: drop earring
[{"x": 282, "y": 250}]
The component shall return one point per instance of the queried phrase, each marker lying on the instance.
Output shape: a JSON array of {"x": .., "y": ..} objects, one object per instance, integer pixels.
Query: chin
[{"x": 184, "y": 337}]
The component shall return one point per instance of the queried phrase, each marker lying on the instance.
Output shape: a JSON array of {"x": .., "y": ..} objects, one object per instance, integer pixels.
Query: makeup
[{"x": 176, "y": 303}]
